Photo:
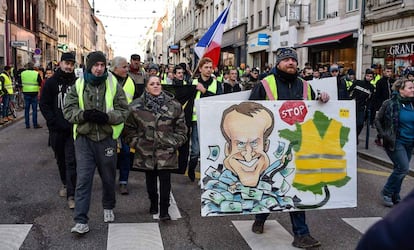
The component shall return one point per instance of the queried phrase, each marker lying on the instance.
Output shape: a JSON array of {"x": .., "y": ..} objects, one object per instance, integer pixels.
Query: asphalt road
[{"x": 29, "y": 195}]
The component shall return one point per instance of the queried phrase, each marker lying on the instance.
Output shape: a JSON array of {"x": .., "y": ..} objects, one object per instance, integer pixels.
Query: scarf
[
  {"x": 154, "y": 103},
  {"x": 133, "y": 70},
  {"x": 397, "y": 101},
  {"x": 95, "y": 80},
  {"x": 286, "y": 76}
]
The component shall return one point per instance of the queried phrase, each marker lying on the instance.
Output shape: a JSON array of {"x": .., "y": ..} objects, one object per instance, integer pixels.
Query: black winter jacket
[
  {"x": 53, "y": 98},
  {"x": 286, "y": 90}
]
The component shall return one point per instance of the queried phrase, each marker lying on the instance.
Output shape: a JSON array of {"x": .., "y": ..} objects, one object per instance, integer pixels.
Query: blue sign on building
[{"x": 263, "y": 39}]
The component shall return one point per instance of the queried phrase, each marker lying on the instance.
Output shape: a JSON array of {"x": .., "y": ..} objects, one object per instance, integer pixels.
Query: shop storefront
[
  {"x": 21, "y": 47},
  {"x": 233, "y": 46},
  {"x": 337, "y": 48},
  {"x": 259, "y": 48},
  {"x": 399, "y": 56}
]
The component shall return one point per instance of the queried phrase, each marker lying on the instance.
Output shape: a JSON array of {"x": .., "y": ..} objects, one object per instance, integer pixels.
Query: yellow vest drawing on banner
[{"x": 319, "y": 157}]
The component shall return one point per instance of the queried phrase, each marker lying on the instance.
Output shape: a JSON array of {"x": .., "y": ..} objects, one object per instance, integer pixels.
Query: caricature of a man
[{"x": 246, "y": 128}]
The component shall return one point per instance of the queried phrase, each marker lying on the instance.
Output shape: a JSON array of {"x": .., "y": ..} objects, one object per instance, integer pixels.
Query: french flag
[{"x": 210, "y": 44}]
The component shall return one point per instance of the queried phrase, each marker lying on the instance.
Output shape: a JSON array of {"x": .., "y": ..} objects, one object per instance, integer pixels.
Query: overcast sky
[{"x": 126, "y": 22}]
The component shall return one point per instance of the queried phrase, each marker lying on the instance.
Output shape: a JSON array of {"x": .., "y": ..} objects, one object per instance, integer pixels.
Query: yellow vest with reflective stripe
[
  {"x": 129, "y": 89},
  {"x": 110, "y": 92},
  {"x": 8, "y": 85},
  {"x": 273, "y": 87},
  {"x": 375, "y": 80},
  {"x": 212, "y": 88},
  {"x": 29, "y": 81},
  {"x": 320, "y": 159},
  {"x": 348, "y": 84}
]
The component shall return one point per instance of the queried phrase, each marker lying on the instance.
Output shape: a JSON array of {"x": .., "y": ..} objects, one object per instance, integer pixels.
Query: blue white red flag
[{"x": 210, "y": 44}]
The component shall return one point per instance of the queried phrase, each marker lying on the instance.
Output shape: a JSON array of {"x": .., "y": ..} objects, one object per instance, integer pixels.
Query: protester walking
[
  {"x": 395, "y": 125},
  {"x": 119, "y": 68},
  {"x": 31, "y": 82},
  {"x": 51, "y": 104},
  {"x": 156, "y": 129},
  {"x": 286, "y": 85},
  {"x": 97, "y": 107}
]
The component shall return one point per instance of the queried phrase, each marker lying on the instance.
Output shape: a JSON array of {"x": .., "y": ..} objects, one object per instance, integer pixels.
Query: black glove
[
  {"x": 99, "y": 117},
  {"x": 87, "y": 115}
]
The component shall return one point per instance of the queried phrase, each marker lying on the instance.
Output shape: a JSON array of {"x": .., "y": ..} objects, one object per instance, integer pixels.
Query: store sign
[
  {"x": 174, "y": 48},
  {"x": 263, "y": 39},
  {"x": 18, "y": 43},
  {"x": 401, "y": 49}
]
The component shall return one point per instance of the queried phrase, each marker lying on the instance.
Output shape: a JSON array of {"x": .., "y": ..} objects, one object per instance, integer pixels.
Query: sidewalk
[{"x": 375, "y": 153}]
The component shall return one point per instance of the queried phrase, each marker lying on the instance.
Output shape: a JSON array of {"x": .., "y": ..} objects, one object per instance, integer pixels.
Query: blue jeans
[
  {"x": 298, "y": 220},
  {"x": 195, "y": 144},
  {"x": 90, "y": 155},
  {"x": 30, "y": 101},
  {"x": 124, "y": 163},
  {"x": 400, "y": 157},
  {"x": 6, "y": 98}
]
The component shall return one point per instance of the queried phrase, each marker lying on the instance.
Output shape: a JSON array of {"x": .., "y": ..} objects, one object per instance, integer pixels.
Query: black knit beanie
[{"x": 94, "y": 57}]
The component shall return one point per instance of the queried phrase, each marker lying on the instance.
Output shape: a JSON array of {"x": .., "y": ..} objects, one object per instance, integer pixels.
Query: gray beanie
[
  {"x": 94, "y": 57},
  {"x": 283, "y": 53}
]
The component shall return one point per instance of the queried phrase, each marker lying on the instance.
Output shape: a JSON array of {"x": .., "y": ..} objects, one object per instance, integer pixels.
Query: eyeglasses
[{"x": 136, "y": 58}]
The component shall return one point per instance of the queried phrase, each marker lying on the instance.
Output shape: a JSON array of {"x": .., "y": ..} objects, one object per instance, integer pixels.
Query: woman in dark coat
[{"x": 156, "y": 129}]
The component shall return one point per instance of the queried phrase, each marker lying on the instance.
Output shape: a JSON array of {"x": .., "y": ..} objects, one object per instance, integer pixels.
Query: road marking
[
  {"x": 363, "y": 223},
  {"x": 374, "y": 172},
  {"x": 13, "y": 235},
  {"x": 173, "y": 210},
  {"x": 274, "y": 235},
  {"x": 134, "y": 236}
]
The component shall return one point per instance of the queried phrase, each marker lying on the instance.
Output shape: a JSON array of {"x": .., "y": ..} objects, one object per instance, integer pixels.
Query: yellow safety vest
[
  {"x": 320, "y": 159},
  {"x": 129, "y": 89},
  {"x": 8, "y": 85},
  {"x": 29, "y": 81},
  {"x": 110, "y": 92},
  {"x": 273, "y": 87},
  {"x": 348, "y": 84},
  {"x": 375, "y": 80},
  {"x": 212, "y": 88}
]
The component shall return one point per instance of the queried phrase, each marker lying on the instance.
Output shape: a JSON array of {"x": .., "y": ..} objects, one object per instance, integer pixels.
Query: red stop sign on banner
[{"x": 293, "y": 111}]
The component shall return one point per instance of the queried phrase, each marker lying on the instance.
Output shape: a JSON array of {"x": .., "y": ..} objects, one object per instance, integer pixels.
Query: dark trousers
[
  {"x": 64, "y": 149},
  {"x": 164, "y": 177},
  {"x": 124, "y": 163},
  {"x": 90, "y": 155},
  {"x": 30, "y": 101},
  {"x": 298, "y": 220}
]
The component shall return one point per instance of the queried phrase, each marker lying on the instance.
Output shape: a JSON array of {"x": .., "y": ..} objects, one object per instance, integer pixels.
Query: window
[
  {"x": 321, "y": 10},
  {"x": 251, "y": 22},
  {"x": 260, "y": 18},
  {"x": 352, "y": 5}
]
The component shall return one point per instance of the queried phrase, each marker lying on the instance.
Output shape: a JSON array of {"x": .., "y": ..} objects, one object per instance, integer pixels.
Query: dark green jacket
[{"x": 155, "y": 136}]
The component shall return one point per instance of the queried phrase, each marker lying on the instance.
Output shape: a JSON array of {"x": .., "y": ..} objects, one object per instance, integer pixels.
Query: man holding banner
[{"x": 285, "y": 85}]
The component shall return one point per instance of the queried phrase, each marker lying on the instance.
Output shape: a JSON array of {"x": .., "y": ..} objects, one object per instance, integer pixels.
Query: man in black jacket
[
  {"x": 60, "y": 130},
  {"x": 284, "y": 84}
]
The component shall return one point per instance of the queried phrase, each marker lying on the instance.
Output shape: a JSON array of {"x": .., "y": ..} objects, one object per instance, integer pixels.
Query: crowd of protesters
[{"x": 108, "y": 117}]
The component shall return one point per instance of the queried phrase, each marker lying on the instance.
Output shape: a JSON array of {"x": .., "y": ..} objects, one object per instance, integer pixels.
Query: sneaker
[
  {"x": 62, "y": 192},
  {"x": 305, "y": 241},
  {"x": 71, "y": 202},
  {"x": 165, "y": 217},
  {"x": 387, "y": 200},
  {"x": 123, "y": 189},
  {"x": 378, "y": 142},
  {"x": 80, "y": 229},
  {"x": 109, "y": 215},
  {"x": 257, "y": 227}
]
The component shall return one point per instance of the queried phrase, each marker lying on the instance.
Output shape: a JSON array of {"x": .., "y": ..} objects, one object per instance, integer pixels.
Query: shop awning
[{"x": 326, "y": 39}]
